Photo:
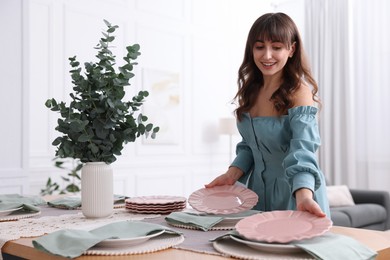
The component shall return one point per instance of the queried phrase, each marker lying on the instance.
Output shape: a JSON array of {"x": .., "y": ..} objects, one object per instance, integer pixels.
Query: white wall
[
  {"x": 13, "y": 112},
  {"x": 177, "y": 38}
]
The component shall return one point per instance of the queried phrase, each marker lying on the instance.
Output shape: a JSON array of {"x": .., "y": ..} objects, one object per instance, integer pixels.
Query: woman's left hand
[{"x": 305, "y": 202}]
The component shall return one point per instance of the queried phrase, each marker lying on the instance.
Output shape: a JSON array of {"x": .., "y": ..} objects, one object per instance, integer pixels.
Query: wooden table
[{"x": 376, "y": 240}]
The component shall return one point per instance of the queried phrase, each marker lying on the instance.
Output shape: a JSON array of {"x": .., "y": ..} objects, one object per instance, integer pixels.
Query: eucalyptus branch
[{"x": 95, "y": 127}]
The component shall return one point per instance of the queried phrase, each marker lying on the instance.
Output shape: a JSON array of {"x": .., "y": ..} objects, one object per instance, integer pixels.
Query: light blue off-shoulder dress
[{"x": 278, "y": 157}]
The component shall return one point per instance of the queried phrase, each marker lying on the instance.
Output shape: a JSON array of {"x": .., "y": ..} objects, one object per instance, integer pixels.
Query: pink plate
[
  {"x": 156, "y": 200},
  {"x": 282, "y": 226},
  {"x": 226, "y": 199}
]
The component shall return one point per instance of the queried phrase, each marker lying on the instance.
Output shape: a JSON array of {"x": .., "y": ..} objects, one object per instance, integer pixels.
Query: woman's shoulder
[{"x": 303, "y": 96}]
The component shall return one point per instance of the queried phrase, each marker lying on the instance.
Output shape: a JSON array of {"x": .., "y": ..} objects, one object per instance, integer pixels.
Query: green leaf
[
  {"x": 108, "y": 24},
  {"x": 94, "y": 148},
  {"x": 110, "y": 38},
  {"x": 84, "y": 138},
  {"x": 149, "y": 127}
]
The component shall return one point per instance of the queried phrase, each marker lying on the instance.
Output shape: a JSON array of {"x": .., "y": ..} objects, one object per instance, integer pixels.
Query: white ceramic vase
[{"x": 97, "y": 197}]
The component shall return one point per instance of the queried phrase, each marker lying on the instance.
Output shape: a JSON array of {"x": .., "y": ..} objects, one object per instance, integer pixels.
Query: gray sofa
[{"x": 371, "y": 211}]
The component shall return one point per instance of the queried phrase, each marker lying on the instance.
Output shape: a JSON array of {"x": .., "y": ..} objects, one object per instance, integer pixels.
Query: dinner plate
[
  {"x": 227, "y": 199},
  {"x": 126, "y": 242},
  {"x": 7, "y": 212},
  {"x": 282, "y": 226},
  {"x": 156, "y": 200},
  {"x": 163, "y": 206},
  {"x": 268, "y": 247},
  {"x": 152, "y": 211}
]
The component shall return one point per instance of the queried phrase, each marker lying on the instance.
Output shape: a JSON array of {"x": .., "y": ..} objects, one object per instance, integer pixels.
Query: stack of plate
[{"x": 155, "y": 204}]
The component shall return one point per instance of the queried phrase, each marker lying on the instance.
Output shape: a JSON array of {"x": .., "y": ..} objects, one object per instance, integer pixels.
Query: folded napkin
[
  {"x": 73, "y": 243},
  {"x": 65, "y": 203},
  {"x": 342, "y": 247},
  {"x": 16, "y": 198},
  {"x": 73, "y": 202},
  {"x": 327, "y": 246},
  {"x": 189, "y": 219},
  {"x": 27, "y": 204},
  {"x": 119, "y": 199},
  {"x": 24, "y": 208},
  {"x": 202, "y": 220}
]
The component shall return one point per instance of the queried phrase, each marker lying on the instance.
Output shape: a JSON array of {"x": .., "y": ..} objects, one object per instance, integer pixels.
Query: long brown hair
[{"x": 276, "y": 27}]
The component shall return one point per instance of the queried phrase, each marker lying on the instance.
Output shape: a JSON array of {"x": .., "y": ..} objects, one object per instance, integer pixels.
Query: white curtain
[{"x": 348, "y": 46}]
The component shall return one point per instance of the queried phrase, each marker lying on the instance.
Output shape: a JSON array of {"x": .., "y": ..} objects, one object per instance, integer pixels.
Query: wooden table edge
[{"x": 376, "y": 240}]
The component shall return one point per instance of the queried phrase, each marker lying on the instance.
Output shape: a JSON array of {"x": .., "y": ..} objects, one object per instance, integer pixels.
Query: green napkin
[
  {"x": 73, "y": 243},
  {"x": 327, "y": 246},
  {"x": 226, "y": 235},
  {"x": 202, "y": 220},
  {"x": 16, "y": 198},
  {"x": 65, "y": 203},
  {"x": 119, "y": 199},
  {"x": 25, "y": 208},
  {"x": 198, "y": 221},
  {"x": 73, "y": 202},
  {"x": 28, "y": 204},
  {"x": 342, "y": 247}
]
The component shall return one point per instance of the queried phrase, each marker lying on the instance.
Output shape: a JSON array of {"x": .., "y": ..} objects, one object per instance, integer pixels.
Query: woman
[{"x": 276, "y": 117}]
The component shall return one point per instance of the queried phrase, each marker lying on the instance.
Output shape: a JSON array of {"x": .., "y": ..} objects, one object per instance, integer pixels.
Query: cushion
[
  {"x": 340, "y": 218},
  {"x": 365, "y": 214},
  {"x": 339, "y": 196}
]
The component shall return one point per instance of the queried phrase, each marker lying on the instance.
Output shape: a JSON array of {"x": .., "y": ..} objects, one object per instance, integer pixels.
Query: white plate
[
  {"x": 8, "y": 211},
  {"x": 127, "y": 242},
  {"x": 227, "y": 199},
  {"x": 282, "y": 226},
  {"x": 268, "y": 247}
]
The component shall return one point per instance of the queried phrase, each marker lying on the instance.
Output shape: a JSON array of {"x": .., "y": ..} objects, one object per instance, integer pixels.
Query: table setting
[
  {"x": 118, "y": 238},
  {"x": 14, "y": 206},
  {"x": 74, "y": 202},
  {"x": 288, "y": 233},
  {"x": 217, "y": 221}
]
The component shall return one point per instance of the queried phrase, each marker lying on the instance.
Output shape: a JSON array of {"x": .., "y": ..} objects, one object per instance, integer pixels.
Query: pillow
[{"x": 339, "y": 196}]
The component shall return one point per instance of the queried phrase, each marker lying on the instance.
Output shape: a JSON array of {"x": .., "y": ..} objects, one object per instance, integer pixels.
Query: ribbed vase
[{"x": 97, "y": 197}]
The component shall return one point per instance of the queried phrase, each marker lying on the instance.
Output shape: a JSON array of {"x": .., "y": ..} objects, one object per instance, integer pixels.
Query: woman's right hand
[{"x": 228, "y": 178}]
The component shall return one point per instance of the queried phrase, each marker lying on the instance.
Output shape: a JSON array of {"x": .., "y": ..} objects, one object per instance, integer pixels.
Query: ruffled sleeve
[{"x": 301, "y": 163}]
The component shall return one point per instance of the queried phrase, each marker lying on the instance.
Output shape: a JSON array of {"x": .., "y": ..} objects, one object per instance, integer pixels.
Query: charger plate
[
  {"x": 282, "y": 226},
  {"x": 225, "y": 199}
]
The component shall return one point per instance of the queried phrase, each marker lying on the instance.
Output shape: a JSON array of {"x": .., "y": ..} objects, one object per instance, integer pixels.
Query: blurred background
[{"x": 190, "y": 54}]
